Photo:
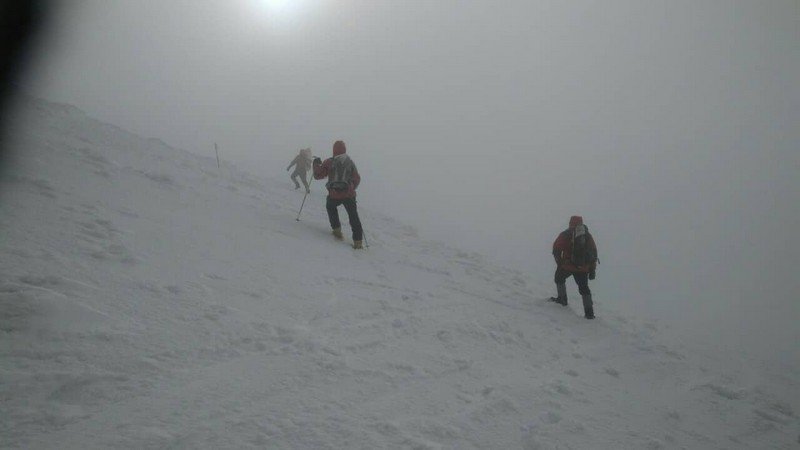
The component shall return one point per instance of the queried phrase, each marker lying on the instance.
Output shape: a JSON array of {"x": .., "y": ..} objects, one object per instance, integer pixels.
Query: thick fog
[{"x": 671, "y": 126}]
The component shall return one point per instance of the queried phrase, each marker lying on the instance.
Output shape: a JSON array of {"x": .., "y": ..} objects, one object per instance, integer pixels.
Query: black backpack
[
  {"x": 582, "y": 253},
  {"x": 341, "y": 173}
]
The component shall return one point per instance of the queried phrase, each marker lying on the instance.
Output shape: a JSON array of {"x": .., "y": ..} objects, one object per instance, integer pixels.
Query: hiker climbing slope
[
  {"x": 302, "y": 163},
  {"x": 576, "y": 256},
  {"x": 343, "y": 179}
]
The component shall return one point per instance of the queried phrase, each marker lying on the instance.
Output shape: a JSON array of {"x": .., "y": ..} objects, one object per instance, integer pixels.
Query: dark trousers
[
  {"x": 350, "y": 206},
  {"x": 582, "y": 278}
]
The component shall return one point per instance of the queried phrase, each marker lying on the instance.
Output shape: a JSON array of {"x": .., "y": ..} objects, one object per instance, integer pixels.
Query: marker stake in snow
[{"x": 216, "y": 150}]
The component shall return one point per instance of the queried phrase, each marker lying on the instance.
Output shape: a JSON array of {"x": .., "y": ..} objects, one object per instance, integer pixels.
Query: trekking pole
[
  {"x": 304, "y": 198},
  {"x": 364, "y": 235},
  {"x": 301, "y": 206}
]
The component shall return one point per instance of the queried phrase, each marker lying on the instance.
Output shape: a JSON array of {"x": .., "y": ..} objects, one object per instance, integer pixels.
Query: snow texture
[{"x": 149, "y": 299}]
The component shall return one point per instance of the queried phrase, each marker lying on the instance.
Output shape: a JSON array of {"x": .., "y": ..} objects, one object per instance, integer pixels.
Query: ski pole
[{"x": 301, "y": 206}]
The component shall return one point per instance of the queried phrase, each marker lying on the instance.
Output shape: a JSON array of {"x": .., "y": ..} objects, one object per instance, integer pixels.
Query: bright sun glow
[
  {"x": 277, "y": 6},
  {"x": 276, "y": 16}
]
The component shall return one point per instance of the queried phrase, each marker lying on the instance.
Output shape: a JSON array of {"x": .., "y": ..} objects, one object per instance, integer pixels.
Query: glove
[
  {"x": 592, "y": 275},
  {"x": 317, "y": 161}
]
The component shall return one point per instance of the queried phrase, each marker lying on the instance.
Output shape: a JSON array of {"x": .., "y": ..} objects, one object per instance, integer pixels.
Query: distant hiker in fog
[
  {"x": 301, "y": 163},
  {"x": 576, "y": 256},
  {"x": 343, "y": 179}
]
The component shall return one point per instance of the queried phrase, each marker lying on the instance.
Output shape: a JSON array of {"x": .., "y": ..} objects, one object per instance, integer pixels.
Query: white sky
[{"x": 671, "y": 126}]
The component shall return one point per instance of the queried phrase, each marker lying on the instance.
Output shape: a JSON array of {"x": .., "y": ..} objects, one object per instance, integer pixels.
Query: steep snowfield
[{"x": 149, "y": 299}]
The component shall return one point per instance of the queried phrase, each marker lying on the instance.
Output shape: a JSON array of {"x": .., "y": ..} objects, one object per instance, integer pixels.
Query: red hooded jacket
[
  {"x": 562, "y": 248},
  {"x": 322, "y": 170}
]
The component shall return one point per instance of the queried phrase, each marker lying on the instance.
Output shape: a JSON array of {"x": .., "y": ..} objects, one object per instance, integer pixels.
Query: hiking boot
[
  {"x": 337, "y": 233},
  {"x": 562, "y": 295},
  {"x": 588, "y": 307},
  {"x": 358, "y": 244}
]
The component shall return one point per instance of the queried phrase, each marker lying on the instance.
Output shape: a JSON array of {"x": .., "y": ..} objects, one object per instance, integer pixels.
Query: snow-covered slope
[{"x": 150, "y": 299}]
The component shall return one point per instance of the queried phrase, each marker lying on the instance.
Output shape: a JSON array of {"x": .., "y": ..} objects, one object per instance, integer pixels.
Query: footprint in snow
[
  {"x": 723, "y": 391},
  {"x": 560, "y": 388},
  {"x": 551, "y": 418},
  {"x": 94, "y": 158},
  {"x": 214, "y": 276},
  {"x": 530, "y": 442},
  {"x": 41, "y": 281},
  {"x": 769, "y": 417},
  {"x": 114, "y": 252},
  {"x": 127, "y": 213},
  {"x": 172, "y": 289},
  {"x": 40, "y": 186},
  {"x": 91, "y": 230}
]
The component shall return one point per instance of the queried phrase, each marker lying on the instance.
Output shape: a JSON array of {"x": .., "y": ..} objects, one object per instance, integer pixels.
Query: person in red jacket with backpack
[
  {"x": 343, "y": 179},
  {"x": 576, "y": 256}
]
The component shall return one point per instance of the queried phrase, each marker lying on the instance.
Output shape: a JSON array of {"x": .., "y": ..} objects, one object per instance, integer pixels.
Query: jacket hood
[
  {"x": 339, "y": 148},
  {"x": 574, "y": 221}
]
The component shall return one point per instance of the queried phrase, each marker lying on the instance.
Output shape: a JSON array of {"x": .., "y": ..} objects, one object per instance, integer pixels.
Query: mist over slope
[{"x": 150, "y": 299}]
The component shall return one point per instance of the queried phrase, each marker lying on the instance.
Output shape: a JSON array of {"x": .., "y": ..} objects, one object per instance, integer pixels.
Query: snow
[{"x": 149, "y": 299}]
